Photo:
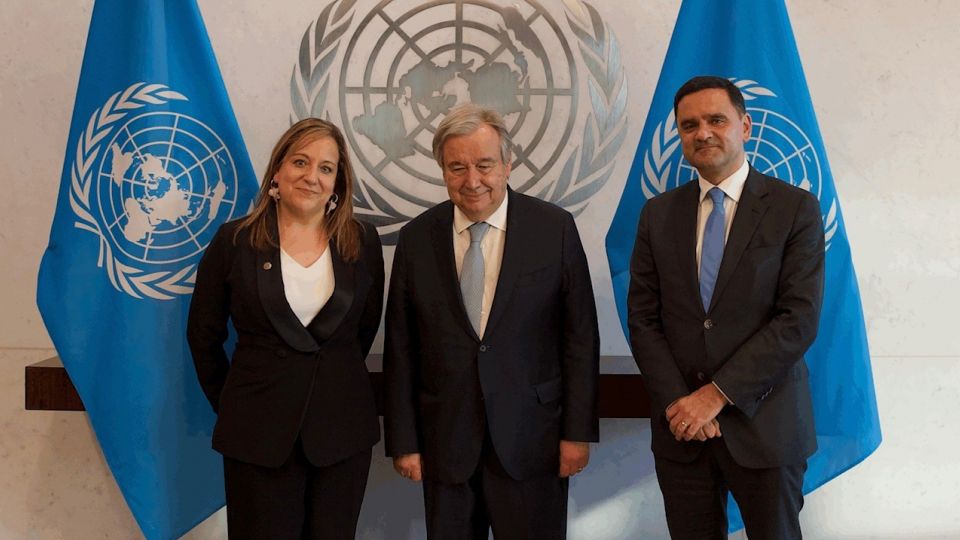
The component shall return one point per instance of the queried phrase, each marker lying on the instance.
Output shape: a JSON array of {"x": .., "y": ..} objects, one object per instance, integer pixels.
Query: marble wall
[{"x": 884, "y": 82}]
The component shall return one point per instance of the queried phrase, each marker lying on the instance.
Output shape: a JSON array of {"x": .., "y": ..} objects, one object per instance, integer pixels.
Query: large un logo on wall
[
  {"x": 404, "y": 66},
  {"x": 777, "y": 147},
  {"x": 154, "y": 185}
]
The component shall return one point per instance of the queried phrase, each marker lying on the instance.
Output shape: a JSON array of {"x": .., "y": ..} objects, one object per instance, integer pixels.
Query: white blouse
[{"x": 307, "y": 288}]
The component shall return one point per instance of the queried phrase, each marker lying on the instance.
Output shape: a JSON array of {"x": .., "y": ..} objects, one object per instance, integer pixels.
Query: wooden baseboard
[{"x": 49, "y": 388}]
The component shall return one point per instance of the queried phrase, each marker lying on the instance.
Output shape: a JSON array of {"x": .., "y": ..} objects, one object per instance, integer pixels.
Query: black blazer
[
  {"x": 763, "y": 316},
  {"x": 284, "y": 380},
  {"x": 532, "y": 379}
]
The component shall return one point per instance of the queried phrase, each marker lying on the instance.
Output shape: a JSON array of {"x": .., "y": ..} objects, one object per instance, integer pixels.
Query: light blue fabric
[
  {"x": 154, "y": 165},
  {"x": 711, "y": 252}
]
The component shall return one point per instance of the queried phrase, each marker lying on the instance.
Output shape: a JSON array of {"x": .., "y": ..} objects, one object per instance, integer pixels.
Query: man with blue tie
[
  {"x": 492, "y": 347},
  {"x": 726, "y": 284}
]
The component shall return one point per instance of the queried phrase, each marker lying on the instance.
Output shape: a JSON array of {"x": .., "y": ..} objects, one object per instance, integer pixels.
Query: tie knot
[
  {"x": 716, "y": 195},
  {"x": 477, "y": 230}
]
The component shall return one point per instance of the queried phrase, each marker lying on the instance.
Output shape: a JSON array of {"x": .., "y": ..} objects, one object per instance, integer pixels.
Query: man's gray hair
[{"x": 464, "y": 119}]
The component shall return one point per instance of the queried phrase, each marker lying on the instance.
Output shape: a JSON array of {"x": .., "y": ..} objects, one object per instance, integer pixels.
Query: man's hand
[
  {"x": 688, "y": 415},
  {"x": 712, "y": 429},
  {"x": 709, "y": 430},
  {"x": 573, "y": 457},
  {"x": 409, "y": 466}
]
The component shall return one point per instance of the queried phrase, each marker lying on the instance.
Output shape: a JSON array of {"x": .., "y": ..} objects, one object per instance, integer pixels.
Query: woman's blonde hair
[{"x": 340, "y": 224}]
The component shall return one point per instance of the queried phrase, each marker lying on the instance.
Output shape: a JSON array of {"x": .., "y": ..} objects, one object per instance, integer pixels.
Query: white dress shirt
[
  {"x": 732, "y": 187},
  {"x": 307, "y": 288},
  {"x": 492, "y": 248}
]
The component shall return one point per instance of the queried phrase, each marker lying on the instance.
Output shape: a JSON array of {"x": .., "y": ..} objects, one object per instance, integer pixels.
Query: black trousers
[
  {"x": 695, "y": 496},
  {"x": 516, "y": 510},
  {"x": 296, "y": 500}
]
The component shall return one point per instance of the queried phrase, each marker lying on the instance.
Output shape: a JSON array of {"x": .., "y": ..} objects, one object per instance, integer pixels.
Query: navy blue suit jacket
[{"x": 763, "y": 316}]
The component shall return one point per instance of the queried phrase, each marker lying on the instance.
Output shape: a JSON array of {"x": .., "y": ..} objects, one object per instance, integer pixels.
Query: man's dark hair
[{"x": 705, "y": 82}]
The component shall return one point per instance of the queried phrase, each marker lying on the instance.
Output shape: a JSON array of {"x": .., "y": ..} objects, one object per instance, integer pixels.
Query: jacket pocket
[{"x": 548, "y": 391}]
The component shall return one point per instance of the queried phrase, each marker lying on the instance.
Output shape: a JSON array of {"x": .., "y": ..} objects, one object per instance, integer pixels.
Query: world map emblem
[
  {"x": 404, "y": 66},
  {"x": 777, "y": 147},
  {"x": 154, "y": 186}
]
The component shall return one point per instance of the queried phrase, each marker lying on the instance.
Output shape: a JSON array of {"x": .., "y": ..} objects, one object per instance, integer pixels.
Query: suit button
[
  {"x": 701, "y": 376},
  {"x": 281, "y": 353},
  {"x": 708, "y": 324},
  {"x": 484, "y": 348}
]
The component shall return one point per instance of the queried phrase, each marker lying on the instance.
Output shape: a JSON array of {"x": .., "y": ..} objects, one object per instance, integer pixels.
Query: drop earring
[{"x": 332, "y": 203}]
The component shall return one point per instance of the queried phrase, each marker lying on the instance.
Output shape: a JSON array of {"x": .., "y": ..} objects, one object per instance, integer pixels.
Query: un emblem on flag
[
  {"x": 777, "y": 147},
  {"x": 154, "y": 185}
]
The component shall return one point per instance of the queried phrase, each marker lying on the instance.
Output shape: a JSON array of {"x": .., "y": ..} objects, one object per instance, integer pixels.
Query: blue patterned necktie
[
  {"x": 471, "y": 275},
  {"x": 711, "y": 252}
]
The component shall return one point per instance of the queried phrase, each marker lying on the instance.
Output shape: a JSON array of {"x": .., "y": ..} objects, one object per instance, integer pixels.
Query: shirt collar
[
  {"x": 498, "y": 219},
  {"x": 731, "y": 186}
]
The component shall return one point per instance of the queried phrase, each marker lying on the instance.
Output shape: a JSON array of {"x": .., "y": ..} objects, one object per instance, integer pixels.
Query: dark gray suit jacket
[
  {"x": 763, "y": 316},
  {"x": 531, "y": 381}
]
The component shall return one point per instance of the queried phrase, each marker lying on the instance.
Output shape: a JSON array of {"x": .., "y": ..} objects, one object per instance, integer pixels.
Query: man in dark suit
[
  {"x": 492, "y": 347},
  {"x": 726, "y": 284}
]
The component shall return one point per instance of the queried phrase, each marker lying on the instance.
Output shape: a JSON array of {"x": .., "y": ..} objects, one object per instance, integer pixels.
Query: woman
[{"x": 302, "y": 282}]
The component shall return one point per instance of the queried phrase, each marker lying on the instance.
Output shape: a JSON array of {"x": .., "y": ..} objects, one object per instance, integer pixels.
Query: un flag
[
  {"x": 154, "y": 164},
  {"x": 751, "y": 42}
]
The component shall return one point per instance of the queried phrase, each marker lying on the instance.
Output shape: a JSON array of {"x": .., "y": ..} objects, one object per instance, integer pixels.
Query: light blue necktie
[
  {"x": 711, "y": 252},
  {"x": 471, "y": 275}
]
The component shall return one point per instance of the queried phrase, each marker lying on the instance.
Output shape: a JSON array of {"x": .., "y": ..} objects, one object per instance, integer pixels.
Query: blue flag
[
  {"x": 154, "y": 164},
  {"x": 752, "y": 44}
]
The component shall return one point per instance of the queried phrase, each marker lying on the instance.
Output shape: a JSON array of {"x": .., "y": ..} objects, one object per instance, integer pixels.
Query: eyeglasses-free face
[{"x": 474, "y": 174}]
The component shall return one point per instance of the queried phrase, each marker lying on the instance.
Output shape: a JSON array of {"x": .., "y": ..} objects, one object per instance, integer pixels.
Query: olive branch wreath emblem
[
  {"x": 585, "y": 171},
  {"x": 658, "y": 164},
  {"x": 133, "y": 281}
]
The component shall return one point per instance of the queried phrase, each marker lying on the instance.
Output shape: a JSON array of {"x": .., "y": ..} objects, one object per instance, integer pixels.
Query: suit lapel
[
  {"x": 442, "y": 239},
  {"x": 685, "y": 225},
  {"x": 750, "y": 210},
  {"x": 515, "y": 245},
  {"x": 274, "y": 300},
  {"x": 333, "y": 312}
]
